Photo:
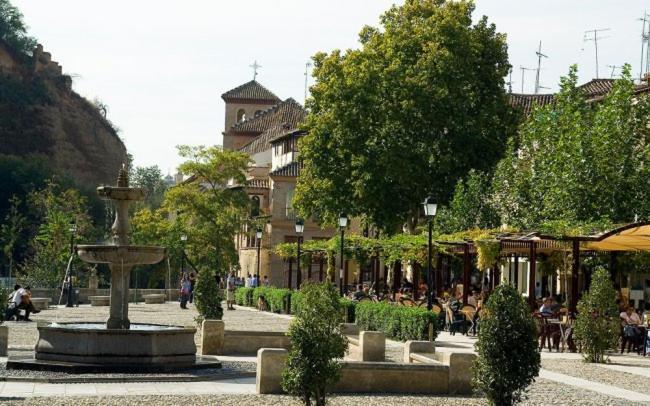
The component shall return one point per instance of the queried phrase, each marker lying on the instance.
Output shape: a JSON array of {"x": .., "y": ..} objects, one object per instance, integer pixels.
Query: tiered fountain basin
[
  {"x": 120, "y": 255},
  {"x": 142, "y": 345}
]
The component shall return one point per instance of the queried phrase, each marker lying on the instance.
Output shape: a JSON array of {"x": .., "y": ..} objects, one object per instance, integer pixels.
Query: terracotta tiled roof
[
  {"x": 258, "y": 183},
  {"x": 526, "y": 102},
  {"x": 250, "y": 91},
  {"x": 291, "y": 169},
  {"x": 597, "y": 87},
  {"x": 263, "y": 141},
  {"x": 289, "y": 112}
]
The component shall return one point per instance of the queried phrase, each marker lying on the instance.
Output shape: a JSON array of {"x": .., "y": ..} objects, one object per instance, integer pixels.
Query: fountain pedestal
[{"x": 117, "y": 343}]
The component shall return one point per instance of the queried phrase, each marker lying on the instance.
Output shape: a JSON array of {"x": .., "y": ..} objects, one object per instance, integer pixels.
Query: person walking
[
  {"x": 192, "y": 279},
  {"x": 230, "y": 291},
  {"x": 185, "y": 290}
]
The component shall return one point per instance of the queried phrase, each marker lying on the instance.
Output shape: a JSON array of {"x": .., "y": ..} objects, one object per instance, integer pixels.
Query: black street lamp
[
  {"x": 183, "y": 240},
  {"x": 300, "y": 228},
  {"x": 343, "y": 223},
  {"x": 73, "y": 233},
  {"x": 430, "y": 208},
  {"x": 258, "y": 237}
]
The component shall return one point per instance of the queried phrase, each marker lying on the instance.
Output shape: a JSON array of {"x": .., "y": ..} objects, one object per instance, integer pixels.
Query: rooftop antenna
[
  {"x": 509, "y": 82},
  {"x": 255, "y": 67},
  {"x": 644, "y": 38},
  {"x": 307, "y": 66},
  {"x": 614, "y": 67},
  {"x": 595, "y": 38},
  {"x": 523, "y": 72},
  {"x": 539, "y": 65}
]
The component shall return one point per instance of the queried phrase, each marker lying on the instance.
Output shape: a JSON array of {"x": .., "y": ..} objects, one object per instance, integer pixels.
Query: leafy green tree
[
  {"x": 11, "y": 231},
  {"x": 471, "y": 207},
  {"x": 508, "y": 360},
  {"x": 211, "y": 211},
  {"x": 597, "y": 324},
  {"x": 578, "y": 162},
  {"x": 150, "y": 178},
  {"x": 317, "y": 344},
  {"x": 406, "y": 115},
  {"x": 56, "y": 209},
  {"x": 13, "y": 29}
]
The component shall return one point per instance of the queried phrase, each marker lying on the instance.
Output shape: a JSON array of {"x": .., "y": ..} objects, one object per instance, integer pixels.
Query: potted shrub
[{"x": 508, "y": 360}]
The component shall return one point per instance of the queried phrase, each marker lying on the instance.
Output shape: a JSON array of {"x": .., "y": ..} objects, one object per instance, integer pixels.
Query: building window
[
  {"x": 290, "y": 214},
  {"x": 255, "y": 206},
  {"x": 241, "y": 115}
]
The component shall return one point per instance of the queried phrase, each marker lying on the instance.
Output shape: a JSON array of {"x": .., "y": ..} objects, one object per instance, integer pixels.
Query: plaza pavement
[{"x": 564, "y": 378}]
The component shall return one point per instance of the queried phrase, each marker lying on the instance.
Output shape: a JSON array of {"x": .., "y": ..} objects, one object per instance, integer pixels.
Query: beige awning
[{"x": 631, "y": 237}]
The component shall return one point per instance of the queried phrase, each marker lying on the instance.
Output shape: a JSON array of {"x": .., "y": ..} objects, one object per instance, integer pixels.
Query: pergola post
[
  {"x": 532, "y": 262},
  {"x": 575, "y": 269},
  {"x": 438, "y": 275},
  {"x": 289, "y": 273},
  {"x": 320, "y": 269},
  {"x": 467, "y": 267},
  {"x": 516, "y": 272}
]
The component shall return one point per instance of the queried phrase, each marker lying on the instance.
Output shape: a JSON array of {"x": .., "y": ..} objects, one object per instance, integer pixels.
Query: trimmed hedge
[
  {"x": 275, "y": 297},
  {"x": 244, "y": 296},
  {"x": 397, "y": 322}
]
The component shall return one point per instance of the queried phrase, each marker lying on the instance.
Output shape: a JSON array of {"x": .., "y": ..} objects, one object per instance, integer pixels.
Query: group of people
[
  {"x": 632, "y": 328},
  {"x": 233, "y": 282},
  {"x": 187, "y": 288},
  {"x": 21, "y": 299}
]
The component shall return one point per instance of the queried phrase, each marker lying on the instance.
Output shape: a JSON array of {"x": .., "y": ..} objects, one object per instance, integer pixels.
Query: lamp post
[
  {"x": 343, "y": 223},
  {"x": 73, "y": 233},
  {"x": 183, "y": 240},
  {"x": 430, "y": 208},
  {"x": 300, "y": 228},
  {"x": 258, "y": 237}
]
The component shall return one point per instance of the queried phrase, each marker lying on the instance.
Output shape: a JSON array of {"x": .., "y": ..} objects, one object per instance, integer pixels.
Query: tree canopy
[
  {"x": 409, "y": 113},
  {"x": 13, "y": 29},
  {"x": 578, "y": 162}
]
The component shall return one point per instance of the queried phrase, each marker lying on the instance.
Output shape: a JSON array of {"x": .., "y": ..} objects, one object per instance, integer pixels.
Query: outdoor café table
[{"x": 561, "y": 324}]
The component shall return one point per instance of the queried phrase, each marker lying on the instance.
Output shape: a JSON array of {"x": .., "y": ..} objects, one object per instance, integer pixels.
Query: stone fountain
[{"x": 118, "y": 342}]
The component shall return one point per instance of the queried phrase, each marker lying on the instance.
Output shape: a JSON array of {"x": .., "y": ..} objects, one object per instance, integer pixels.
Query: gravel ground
[
  {"x": 541, "y": 393},
  {"x": 24, "y": 334},
  {"x": 228, "y": 368},
  {"x": 580, "y": 369}
]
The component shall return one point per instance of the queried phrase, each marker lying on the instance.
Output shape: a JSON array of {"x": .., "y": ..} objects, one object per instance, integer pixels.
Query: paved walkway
[{"x": 26, "y": 389}]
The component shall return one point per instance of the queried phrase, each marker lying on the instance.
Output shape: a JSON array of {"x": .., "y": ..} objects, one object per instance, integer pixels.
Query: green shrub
[
  {"x": 244, "y": 296},
  {"x": 208, "y": 296},
  {"x": 508, "y": 360},
  {"x": 597, "y": 327},
  {"x": 276, "y": 299},
  {"x": 318, "y": 344},
  {"x": 296, "y": 302},
  {"x": 397, "y": 322},
  {"x": 349, "y": 307}
]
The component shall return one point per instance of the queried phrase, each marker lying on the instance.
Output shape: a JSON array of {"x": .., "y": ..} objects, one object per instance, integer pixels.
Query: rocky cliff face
[{"x": 41, "y": 115}]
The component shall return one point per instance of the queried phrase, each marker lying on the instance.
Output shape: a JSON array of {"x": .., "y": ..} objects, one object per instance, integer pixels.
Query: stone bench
[
  {"x": 99, "y": 300},
  {"x": 155, "y": 298},
  {"x": 364, "y": 345},
  {"x": 460, "y": 364},
  {"x": 41, "y": 303}
]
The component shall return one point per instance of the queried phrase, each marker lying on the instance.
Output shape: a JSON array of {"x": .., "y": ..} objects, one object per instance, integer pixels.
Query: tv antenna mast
[
  {"x": 539, "y": 65},
  {"x": 307, "y": 66},
  {"x": 645, "y": 38},
  {"x": 614, "y": 67},
  {"x": 523, "y": 72},
  {"x": 588, "y": 37}
]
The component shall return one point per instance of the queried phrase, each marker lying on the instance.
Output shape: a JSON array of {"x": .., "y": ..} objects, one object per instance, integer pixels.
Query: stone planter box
[
  {"x": 99, "y": 300},
  {"x": 41, "y": 303},
  {"x": 158, "y": 298}
]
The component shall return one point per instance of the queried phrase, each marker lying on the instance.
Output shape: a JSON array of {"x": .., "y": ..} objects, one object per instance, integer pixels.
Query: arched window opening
[
  {"x": 255, "y": 206},
  {"x": 258, "y": 112},
  {"x": 241, "y": 115}
]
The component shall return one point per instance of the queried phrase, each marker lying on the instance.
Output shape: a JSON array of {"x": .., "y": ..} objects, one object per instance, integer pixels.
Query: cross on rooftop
[{"x": 255, "y": 67}]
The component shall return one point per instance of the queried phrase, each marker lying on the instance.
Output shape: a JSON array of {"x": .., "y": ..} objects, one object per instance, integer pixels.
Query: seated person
[
  {"x": 631, "y": 325},
  {"x": 472, "y": 299},
  {"x": 555, "y": 306},
  {"x": 21, "y": 300},
  {"x": 359, "y": 293},
  {"x": 547, "y": 308}
]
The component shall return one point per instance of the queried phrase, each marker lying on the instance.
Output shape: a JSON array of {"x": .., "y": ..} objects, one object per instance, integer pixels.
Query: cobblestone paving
[
  {"x": 24, "y": 334},
  {"x": 595, "y": 373}
]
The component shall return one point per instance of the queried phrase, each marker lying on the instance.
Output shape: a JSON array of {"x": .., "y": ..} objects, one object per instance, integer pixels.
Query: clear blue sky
[{"x": 162, "y": 65}]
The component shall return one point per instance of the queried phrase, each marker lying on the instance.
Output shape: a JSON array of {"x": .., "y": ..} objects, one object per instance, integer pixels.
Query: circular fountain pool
[{"x": 93, "y": 343}]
